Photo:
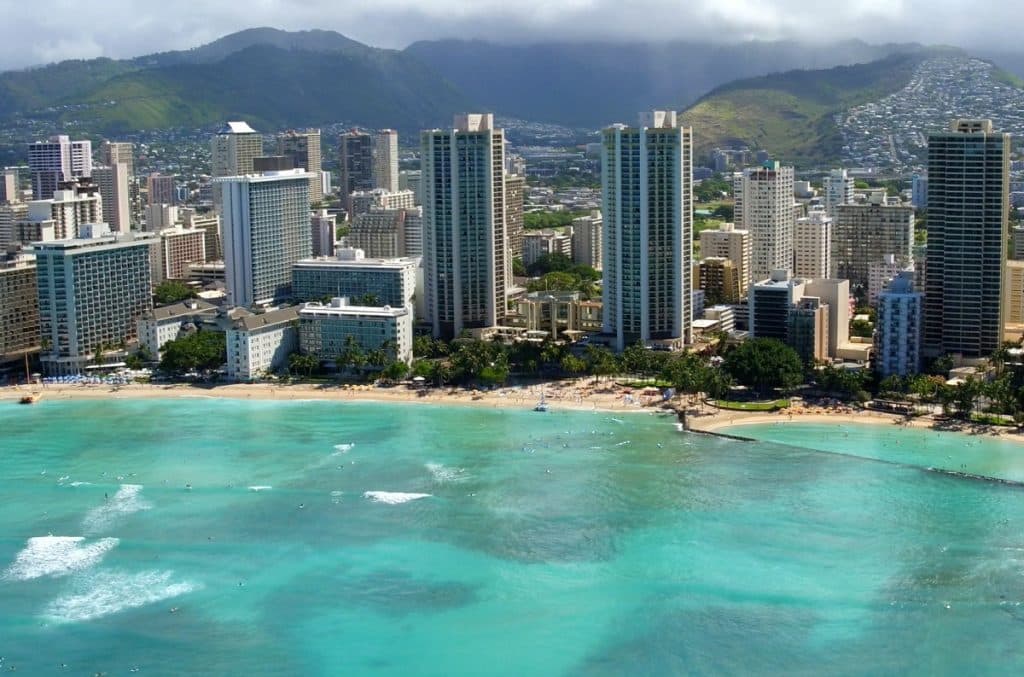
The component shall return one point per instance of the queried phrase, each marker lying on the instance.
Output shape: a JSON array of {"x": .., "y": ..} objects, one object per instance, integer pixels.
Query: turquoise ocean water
[{"x": 317, "y": 538}]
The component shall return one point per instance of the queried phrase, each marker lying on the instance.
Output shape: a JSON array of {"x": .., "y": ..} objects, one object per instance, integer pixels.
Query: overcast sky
[{"x": 41, "y": 31}]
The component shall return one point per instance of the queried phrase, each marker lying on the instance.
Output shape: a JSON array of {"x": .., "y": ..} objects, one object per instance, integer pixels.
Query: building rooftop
[
  {"x": 189, "y": 307},
  {"x": 274, "y": 317},
  {"x": 236, "y": 127}
]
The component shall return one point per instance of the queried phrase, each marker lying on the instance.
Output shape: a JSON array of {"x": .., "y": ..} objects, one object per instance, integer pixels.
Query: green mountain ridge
[
  {"x": 791, "y": 114},
  {"x": 271, "y": 78}
]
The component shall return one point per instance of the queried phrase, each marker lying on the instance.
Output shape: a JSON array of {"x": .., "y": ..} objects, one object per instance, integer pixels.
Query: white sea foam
[
  {"x": 393, "y": 497},
  {"x": 57, "y": 556},
  {"x": 260, "y": 487},
  {"x": 343, "y": 448},
  {"x": 126, "y": 501},
  {"x": 337, "y": 492},
  {"x": 443, "y": 474},
  {"x": 110, "y": 592},
  {"x": 79, "y": 484}
]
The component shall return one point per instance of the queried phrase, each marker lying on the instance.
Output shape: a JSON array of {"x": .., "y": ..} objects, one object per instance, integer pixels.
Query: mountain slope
[
  {"x": 792, "y": 114},
  {"x": 271, "y": 78},
  {"x": 594, "y": 84}
]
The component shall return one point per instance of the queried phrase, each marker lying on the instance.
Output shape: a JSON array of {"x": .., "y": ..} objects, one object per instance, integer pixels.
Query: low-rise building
[
  {"x": 324, "y": 329},
  {"x": 260, "y": 344},
  {"x": 720, "y": 280},
  {"x": 558, "y": 314},
  {"x": 164, "y": 323}
]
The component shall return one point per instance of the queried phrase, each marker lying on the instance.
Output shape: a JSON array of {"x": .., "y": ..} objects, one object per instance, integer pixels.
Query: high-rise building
[
  {"x": 266, "y": 230},
  {"x": 355, "y": 160},
  {"x": 919, "y": 191},
  {"x": 1013, "y": 300},
  {"x": 720, "y": 280},
  {"x": 63, "y": 215},
  {"x": 731, "y": 243},
  {"x": 812, "y": 246},
  {"x": 112, "y": 152},
  {"x": 898, "y": 329},
  {"x": 304, "y": 149},
  {"x": 232, "y": 151},
  {"x": 836, "y": 295},
  {"x": 210, "y": 224},
  {"x": 863, "y": 234},
  {"x": 385, "y": 160},
  {"x": 464, "y": 237},
  {"x": 160, "y": 189},
  {"x": 586, "y": 239},
  {"x": 767, "y": 212},
  {"x": 409, "y": 179},
  {"x": 92, "y": 292},
  {"x": 178, "y": 248},
  {"x": 19, "y": 308},
  {"x": 515, "y": 193},
  {"x": 113, "y": 184},
  {"x": 324, "y": 232},
  {"x": 10, "y": 190},
  {"x": 365, "y": 201},
  {"x": 838, "y": 190},
  {"x": 380, "y": 233},
  {"x": 770, "y": 301},
  {"x": 413, "y": 232},
  {"x": 880, "y": 273},
  {"x": 647, "y": 187},
  {"x": 11, "y": 214},
  {"x": 968, "y": 212},
  {"x": 57, "y": 161},
  {"x": 807, "y": 329}
]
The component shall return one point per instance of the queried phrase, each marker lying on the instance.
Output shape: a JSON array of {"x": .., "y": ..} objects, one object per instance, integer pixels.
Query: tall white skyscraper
[
  {"x": 266, "y": 230},
  {"x": 838, "y": 190},
  {"x": 113, "y": 183},
  {"x": 385, "y": 160},
  {"x": 464, "y": 239},
  {"x": 768, "y": 213},
  {"x": 232, "y": 151},
  {"x": 647, "y": 188},
  {"x": 55, "y": 161}
]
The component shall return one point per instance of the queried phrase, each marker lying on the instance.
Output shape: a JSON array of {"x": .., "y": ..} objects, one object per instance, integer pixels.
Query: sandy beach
[
  {"x": 720, "y": 420},
  {"x": 576, "y": 394}
]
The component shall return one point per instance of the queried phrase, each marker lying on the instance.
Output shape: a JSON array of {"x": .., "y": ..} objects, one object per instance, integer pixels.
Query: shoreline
[
  {"x": 727, "y": 422},
  {"x": 572, "y": 395}
]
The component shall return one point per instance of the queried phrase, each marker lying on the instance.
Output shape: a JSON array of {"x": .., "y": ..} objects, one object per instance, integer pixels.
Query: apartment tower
[
  {"x": 647, "y": 187},
  {"x": 464, "y": 238},
  {"x": 968, "y": 203}
]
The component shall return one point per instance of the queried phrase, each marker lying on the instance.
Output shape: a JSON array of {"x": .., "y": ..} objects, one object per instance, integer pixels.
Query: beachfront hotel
[
  {"x": 258, "y": 344},
  {"x": 92, "y": 292},
  {"x": 648, "y": 231},
  {"x": 266, "y": 230},
  {"x": 464, "y": 239},
  {"x": 351, "y": 274},
  {"x": 968, "y": 212},
  {"x": 19, "y": 307},
  {"x": 163, "y": 324},
  {"x": 325, "y": 329}
]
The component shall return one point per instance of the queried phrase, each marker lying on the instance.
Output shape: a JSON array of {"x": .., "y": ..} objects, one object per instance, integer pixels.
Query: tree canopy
[
  {"x": 198, "y": 351},
  {"x": 172, "y": 291},
  {"x": 764, "y": 364}
]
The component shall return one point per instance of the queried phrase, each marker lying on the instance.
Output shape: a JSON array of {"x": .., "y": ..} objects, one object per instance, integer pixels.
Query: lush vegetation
[
  {"x": 557, "y": 272},
  {"x": 712, "y": 189},
  {"x": 172, "y": 291},
  {"x": 791, "y": 113},
  {"x": 772, "y": 405},
  {"x": 765, "y": 365},
  {"x": 198, "y": 351},
  {"x": 548, "y": 220}
]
